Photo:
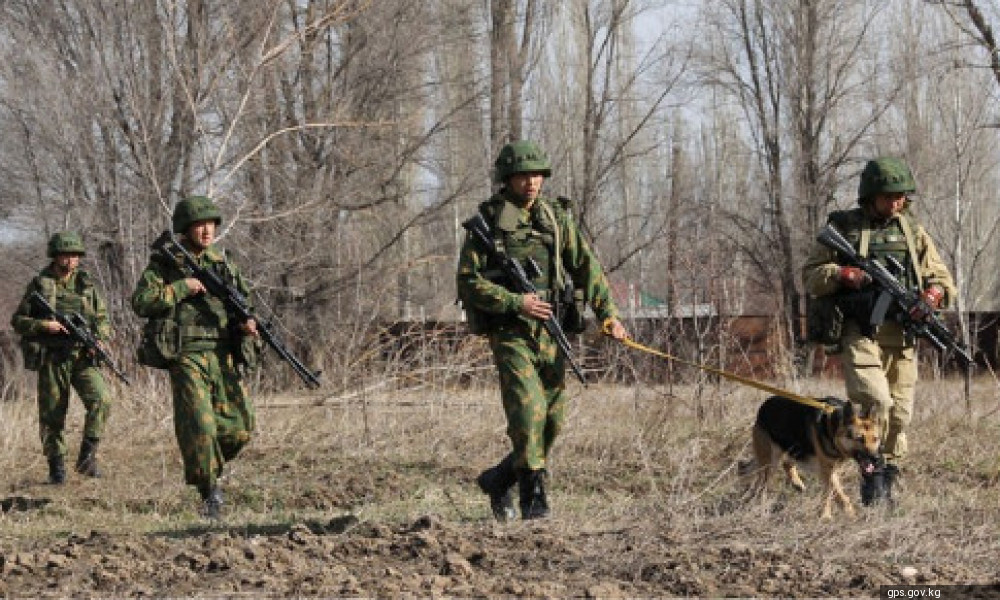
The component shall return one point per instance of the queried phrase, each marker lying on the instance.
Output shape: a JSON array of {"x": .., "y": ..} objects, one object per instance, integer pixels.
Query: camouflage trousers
[
  {"x": 882, "y": 378},
  {"x": 532, "y": 386},
  {"x": 213, "y": 414},
  {"x": 56, "y": 376}
]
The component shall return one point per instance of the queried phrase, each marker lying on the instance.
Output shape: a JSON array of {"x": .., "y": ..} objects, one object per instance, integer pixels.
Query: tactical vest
[
  {"x": 197, "y": 323},
  {"x": 895, "y": 239},
  {"x": 204, "y": 315},
  {"x": 522, "y": 234},
  {"x": 77, "y": 297}
]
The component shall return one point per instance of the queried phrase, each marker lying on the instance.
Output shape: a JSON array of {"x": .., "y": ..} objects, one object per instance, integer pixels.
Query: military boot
[
  {"x": 86, "y": 463},
  {"x": 57, "y": 470},
  {"x": 498, "y": 483},
  {"x": 534, "y": 505},
  {"x": 873, "y": 484},
  {"x": 211, "y": 502}
]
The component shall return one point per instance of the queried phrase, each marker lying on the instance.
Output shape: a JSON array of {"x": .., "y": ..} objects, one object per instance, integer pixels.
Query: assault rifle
[
  {"x": 520, "y": 280},
  {"x": 891, "y": 293},
  {"x": 236, "y": 304},
  {"x": 79, "y": 330}
]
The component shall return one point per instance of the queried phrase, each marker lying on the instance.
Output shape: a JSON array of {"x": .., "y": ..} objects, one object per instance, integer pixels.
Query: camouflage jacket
[
  {"x": 530, "y": 233},
  {"x": 161, "y": 293},
  {"x": 76, "y": 293}
]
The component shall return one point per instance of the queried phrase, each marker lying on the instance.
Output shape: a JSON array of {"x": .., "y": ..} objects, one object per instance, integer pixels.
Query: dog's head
[{"x": 859, "y": 437}]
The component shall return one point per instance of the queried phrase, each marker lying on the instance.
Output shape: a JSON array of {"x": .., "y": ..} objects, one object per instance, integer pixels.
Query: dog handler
[
  {"x": 532, "y": 371},
  {"x": 880, "y": 368}
]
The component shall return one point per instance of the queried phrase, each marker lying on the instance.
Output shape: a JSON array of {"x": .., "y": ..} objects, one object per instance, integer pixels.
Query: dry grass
[{"x": 651, "y": 468}]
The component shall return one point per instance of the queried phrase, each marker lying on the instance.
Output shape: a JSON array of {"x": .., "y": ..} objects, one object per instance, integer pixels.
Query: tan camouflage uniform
[
  {"x": 65, "y": 364},
  {"x": 880, "y": 373},
  {"x": 213, "y": 414}
]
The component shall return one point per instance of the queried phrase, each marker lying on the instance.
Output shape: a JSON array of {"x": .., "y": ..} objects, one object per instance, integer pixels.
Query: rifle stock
[
  {"x": 78, "y": 329},
  {"x": 236, "y": 304},
  {"x": 521, "y": 283},
  {"x": 894, "y": 293}
]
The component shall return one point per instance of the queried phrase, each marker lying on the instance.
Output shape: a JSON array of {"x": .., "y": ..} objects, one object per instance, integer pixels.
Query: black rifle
[
  {"x": 518, "y": 279},
  {"x": 76, "y": 326},
  {"x": 892, "y": 294},
  {"x": 236, "y": 304}
]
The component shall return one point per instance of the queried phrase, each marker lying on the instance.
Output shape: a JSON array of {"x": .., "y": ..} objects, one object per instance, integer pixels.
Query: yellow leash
[{"x": 813, "y": 402}]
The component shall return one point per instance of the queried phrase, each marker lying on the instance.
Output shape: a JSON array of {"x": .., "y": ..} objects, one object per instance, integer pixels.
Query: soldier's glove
[
  {"x": 853, "y": 277},
  {"x": 930, "y": 300}
]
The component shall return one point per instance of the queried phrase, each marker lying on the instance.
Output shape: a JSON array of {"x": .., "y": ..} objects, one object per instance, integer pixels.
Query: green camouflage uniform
[
  {"x": 531, "y": 369},
  {"x": 213, "y": 414},
  {"x": 881, "y": 373},
  {"x": 65, "y": 364}
]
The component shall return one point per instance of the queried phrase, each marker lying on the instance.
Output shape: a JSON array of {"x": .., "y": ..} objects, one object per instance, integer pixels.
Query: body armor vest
[
  {"x": 879, "y": 242},
  {"x": 891, "y": 241},
  {"x": 76, "y": 297},
  {"x": 522, "y": 235}
]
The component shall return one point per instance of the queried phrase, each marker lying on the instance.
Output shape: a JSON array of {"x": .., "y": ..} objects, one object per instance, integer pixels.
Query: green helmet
[
  {"x": 193, "y": 209},
  {"x": 885, "y": 176},
  {"x": 66, "y": 242},
  {"x": 521, "y": 157}
]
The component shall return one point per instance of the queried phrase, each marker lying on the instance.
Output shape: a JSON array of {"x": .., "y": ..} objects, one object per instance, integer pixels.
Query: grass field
[{"x": 373, "y": 495}]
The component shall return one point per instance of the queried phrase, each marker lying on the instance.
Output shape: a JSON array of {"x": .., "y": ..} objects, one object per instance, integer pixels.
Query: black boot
[
  {"x": 57, "y": 470},
  {"x": 873, "y": 484},
  {"x": 211, "y": 505},
  {"x": 86, "y": 463},
  {"x": 498, "y": 482},
  {"x": 534, "y": 505}
]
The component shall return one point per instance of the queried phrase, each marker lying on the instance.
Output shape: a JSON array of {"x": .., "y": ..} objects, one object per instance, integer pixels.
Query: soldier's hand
[
  {"x": 54, "y": 327},
  {"x": 249, "y": 327},
  {"x": 535, "y": 307},
  {"x": 195, "y": 286},
  {"x": 615, "y": 329},
  {"x": 853, "y": 277},
  {"x": 930, "y": 300}
]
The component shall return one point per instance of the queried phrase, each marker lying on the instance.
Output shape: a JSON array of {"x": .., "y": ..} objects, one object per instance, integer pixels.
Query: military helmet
[
  {"x": 193, "y": 209},
  {"x": 885, "y": 176},
  {"x": 521, "y": 157},
  {"x": 67, "y": 242}
]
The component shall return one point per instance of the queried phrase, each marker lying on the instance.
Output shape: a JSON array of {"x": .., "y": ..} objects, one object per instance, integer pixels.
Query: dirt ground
[{"x": 377, "y": 498}]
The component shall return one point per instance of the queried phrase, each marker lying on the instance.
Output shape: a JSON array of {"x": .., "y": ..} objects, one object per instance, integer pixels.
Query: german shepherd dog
[{"x": 788, "y": 432}]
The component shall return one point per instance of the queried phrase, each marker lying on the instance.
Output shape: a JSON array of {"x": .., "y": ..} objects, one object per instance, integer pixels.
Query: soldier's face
[
  {"x": 526, "y": 185},
  {"x": 888, "y": 205},
  {"x": 201, "y": 234},
  {"x": 66, "y": 263}
]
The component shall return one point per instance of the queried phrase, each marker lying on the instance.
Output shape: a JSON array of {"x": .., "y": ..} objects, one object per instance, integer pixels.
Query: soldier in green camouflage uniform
[
  {"x": 880, "y": 366},
  {"x": 531, "y": 369},
  {"x": 213, "y": 414},
  {"x": 61, "y": 362}
]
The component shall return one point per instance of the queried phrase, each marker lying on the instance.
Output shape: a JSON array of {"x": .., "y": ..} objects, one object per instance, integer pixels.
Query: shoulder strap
[
  {"x": 557, "y": 245},
  {"x": 904, "y": 222}
]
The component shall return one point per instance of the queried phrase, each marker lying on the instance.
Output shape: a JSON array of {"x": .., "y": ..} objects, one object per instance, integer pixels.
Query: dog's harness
[{"x": 828, "y": 421}]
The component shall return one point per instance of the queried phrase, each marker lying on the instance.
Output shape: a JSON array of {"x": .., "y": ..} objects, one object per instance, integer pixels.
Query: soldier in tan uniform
[
  {"x": 880, "y": 368},
  {"x": 532, "y": 371}
]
